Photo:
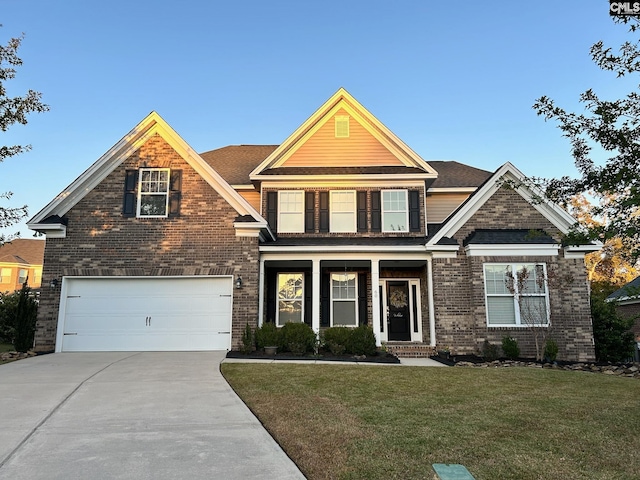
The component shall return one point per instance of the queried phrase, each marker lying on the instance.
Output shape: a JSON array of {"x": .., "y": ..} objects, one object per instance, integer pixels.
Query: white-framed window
[
  {"x": 516, "y": 294},
  {"x": 290, "y": 298},
  {"x": 23, "y": 274},
  {"x": 343, "y": 211},
  {"x": 291, "y": 211},
  {"x": 153, "y": 192},
  {"x": 342, "y": 126},
  {"x": 344, "y": 300},
  {"x": 395, "y": 211},
  {"x": 5, "y": 275}
]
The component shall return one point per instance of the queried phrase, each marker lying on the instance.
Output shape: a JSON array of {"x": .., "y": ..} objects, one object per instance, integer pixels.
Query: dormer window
[{"x": 342, "y": 126}]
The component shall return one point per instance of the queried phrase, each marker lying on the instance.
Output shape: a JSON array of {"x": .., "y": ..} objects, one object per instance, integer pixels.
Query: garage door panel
[{"x": 138, "y": 314}]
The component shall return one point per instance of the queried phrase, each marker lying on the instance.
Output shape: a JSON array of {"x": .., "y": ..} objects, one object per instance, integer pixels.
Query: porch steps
[{"x": 410, "y": 350}]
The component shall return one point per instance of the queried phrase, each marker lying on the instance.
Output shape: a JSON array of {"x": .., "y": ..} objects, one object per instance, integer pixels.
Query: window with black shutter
[
  {"x": 175, "y": 193},
  {"x": 324, "y": 211},
  {"x": 376, "y": 212},
  {"x": 362, "y": 211},
  {"x": 309, "y": 212},
  {"x": 272, "y": 210},
  {"x": 414, "y": 210},
  {"x": 130, "y": 186}
]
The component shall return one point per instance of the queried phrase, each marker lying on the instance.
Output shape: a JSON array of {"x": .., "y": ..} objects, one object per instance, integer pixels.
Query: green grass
[{"x": 373, "y": 422}]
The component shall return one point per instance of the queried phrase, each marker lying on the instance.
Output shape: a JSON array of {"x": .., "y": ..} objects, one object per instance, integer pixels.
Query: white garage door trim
[{"x": 136, "y": 313}]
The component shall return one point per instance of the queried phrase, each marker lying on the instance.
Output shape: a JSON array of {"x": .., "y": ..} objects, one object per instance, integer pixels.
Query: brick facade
[
  {"x": 459, "y": 295},
  {"x": 632, "y": 310},
  {"x": 200, "y": 241}
]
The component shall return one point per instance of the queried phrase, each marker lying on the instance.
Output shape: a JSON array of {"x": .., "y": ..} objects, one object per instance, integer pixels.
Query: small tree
[
  {"x": 25, "y": 320},
  {"x": 611, "y": 332},
  {"x": 529, "y": 286}
]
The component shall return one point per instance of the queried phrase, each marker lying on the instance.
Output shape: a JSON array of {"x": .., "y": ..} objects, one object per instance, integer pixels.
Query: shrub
[
  {"x": 489, "y": 351},
  {"x": 510, "y": 348},
  {"x": 8, "y": 306},
  {"x": 550, "y": 350},
  {"x": 25, "y": 320},
  {"x": 336, "y": 339},
  {"x": 268, "y": 335},
  {"x": 362, "y": 341},
  {"x": 298, "y": 338},
  {"x": 248, "y": 340},
  {"x": 614, "y": 342}
]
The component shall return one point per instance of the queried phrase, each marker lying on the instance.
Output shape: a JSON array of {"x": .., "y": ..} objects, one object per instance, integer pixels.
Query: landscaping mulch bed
[
  {"x": 607, "y": 368},
  {"x": 380, "y": 357}
]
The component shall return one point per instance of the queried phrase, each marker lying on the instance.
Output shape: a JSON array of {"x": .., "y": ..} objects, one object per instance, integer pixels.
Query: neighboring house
[
  {"x": 628, "y": 304},
  {"x": 21, "y": 260},
  {"x": 158, "y": 248}
]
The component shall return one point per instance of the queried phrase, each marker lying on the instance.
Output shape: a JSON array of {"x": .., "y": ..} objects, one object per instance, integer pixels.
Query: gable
[
  {"x": 507, "y": 207},
  {"x": 370, "y": 143},
  {"x": 323, "y": 149},
  {"x": 152, "y": 125}
]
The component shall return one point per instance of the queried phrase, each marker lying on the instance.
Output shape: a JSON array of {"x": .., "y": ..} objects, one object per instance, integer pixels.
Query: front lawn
[{"x": 381, "y": 422}]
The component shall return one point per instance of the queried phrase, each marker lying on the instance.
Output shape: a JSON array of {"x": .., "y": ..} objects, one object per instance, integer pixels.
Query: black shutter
[
  {"x": 307, "y": 298},
  {"x": 362, "y": 211},
  {"x": 324, "y": 300},
  {"x": 309, "y": 212},
  {"x": 272, "y": 210},
  {"x": 363, "y": 311},
  {"x": 175, "y": 192},
  {"x": 414, "y": 210},
  {"x": 324, "y": 211},
  {"x": 130, "y": 185},
  {"x": 272, "y": 280},
  {"x": 376, "y": 212}
]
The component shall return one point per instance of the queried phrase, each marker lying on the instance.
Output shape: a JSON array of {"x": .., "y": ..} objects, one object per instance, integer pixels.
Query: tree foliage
[
  {"x": 613, "y": 126},
  {"x": 609, "y": 268},
  {"x": 14, "y": 110}
]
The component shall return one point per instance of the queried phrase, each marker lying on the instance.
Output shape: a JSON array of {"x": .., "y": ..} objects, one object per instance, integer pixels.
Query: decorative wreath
[{"x": 398, "y": 299}]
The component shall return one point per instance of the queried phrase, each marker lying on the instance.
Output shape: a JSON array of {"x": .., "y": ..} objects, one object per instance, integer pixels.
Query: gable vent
[{"x": 342, "y": 126}]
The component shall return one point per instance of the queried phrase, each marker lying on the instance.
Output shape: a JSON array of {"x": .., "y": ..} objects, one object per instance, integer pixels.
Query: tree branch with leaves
[
  {"x": 14, "y": 110},
  {"x": 614, "y": 126}
]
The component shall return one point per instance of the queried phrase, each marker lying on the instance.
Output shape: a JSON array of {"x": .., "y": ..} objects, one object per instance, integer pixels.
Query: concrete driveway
[{"x": 119, "y": 415}]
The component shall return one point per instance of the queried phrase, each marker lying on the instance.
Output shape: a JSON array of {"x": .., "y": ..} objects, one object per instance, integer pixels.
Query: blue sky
[{"x": 454, "y": 80}]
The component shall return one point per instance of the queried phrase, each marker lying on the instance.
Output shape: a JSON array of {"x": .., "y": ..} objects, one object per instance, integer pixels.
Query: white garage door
[{"x": 145, "y": 314}]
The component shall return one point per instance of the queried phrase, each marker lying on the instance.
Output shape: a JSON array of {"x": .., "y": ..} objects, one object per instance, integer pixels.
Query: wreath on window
[{"x": 398, "y": 299}]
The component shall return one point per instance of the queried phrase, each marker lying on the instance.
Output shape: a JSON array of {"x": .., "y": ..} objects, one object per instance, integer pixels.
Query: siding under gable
[
  {"x": 323, "y": 149},
  {"x": 441, "y": 205}
]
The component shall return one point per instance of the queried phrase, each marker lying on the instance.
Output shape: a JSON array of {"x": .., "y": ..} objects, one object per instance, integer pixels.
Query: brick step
[{"x": 410, "y": 350}]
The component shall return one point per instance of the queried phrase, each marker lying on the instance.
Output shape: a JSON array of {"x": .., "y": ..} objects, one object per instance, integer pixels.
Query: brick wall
[
  {"x": 101, "y": 242},
  {"x": 459, "y": 295}
]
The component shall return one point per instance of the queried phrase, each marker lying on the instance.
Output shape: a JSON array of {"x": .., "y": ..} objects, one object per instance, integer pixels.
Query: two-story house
[{"x": 155, "y": 247}]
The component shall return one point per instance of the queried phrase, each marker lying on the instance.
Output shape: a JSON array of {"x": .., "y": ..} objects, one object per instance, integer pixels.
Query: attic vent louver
[{"x": 342, "y": 126}]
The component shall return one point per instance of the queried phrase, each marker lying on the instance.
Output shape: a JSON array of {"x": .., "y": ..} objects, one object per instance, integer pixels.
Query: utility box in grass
[{"x": 451, "y": 471}]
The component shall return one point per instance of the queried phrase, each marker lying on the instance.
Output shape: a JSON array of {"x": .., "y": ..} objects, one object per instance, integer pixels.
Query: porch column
[
  {"x": 432, "y": 312},
  {"x": 375, "y": 301},
  {"x": 261, "y": 294},
  {"x": 315, "y": 295}
]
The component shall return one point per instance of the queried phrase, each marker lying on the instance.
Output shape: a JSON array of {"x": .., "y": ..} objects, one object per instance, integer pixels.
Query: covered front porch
[{"x": 390, "y": 291}]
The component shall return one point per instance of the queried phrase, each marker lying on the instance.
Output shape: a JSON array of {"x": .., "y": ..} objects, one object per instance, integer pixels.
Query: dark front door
[{"x": 398, "y": 307}]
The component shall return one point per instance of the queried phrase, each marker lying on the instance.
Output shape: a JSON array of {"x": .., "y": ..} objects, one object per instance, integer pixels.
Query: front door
[{"x": 399, "y": 320}]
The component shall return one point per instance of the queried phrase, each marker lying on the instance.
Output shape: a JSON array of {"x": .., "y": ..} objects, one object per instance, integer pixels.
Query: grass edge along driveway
[{"x": 373, "y": 422}]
